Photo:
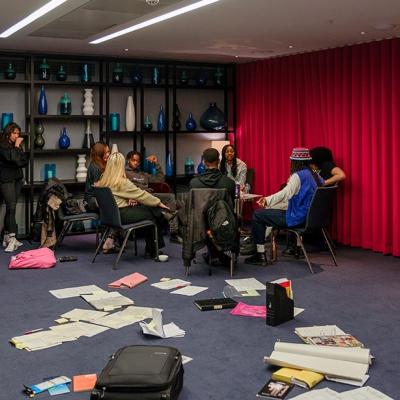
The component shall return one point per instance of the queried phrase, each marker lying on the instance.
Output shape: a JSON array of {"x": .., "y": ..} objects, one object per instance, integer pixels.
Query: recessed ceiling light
[
  {"x": 290, "y": 46},
  {"x": 51, "y": 5},
  {"x": 236, "y": 56},
  {"x": 126, "y": 49},
  {"x": 362, "y": 33},
  {"x": 155, "y": 20}
]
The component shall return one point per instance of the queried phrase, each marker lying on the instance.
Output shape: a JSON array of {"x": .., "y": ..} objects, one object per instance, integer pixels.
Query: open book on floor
[{"x": 339, "y": 362}]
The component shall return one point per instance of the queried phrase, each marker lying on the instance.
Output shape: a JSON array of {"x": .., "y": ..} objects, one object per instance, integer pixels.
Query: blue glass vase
[
  {"x": 118, "y": 74},
  {"x": 65, "y": 105},
  {"x": 147, "y": 125},
  {"x": 136, "y": 77},
  {"x": 189, "y": 166},
  {"x": 10, "y": 72},
  {"x": 85, "y": 73},
  {"x": 213, "y": 119},
  {"x": 161, "y": 121},
  {"x": 42, "y": 106},
  {"x": 202, "y": 78},
  {"x": 169, "y": 167},
  {"x": 201, "y": 168},
  {"x": 6, "y": 118},
  {"x": 114, "y": 122},
  {"x": 64, "y": 141},
  {"x": 44, "y": 71},
  {"x": 156, "y": 77},
  {"x": 191, "y": 123}
]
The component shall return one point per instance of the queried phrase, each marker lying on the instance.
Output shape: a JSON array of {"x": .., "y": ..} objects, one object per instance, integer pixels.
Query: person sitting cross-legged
[
  {"x": 298, "y": 192},
  {"x": 142, "y": 180}
]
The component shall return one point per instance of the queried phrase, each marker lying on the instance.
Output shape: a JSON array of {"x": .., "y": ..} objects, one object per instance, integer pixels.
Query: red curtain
[{"x": 347, "y": 99}]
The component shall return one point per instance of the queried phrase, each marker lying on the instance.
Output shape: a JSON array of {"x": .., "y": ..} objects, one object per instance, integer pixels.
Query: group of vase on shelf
[
  {"x": 65, "y": 105},
  {"x": 49, "y": 170},
  {"x": 44, "y": 72}
]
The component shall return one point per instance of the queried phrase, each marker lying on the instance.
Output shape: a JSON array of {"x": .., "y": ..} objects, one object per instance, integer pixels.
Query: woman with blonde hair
[{"x": 134, "y": 203}]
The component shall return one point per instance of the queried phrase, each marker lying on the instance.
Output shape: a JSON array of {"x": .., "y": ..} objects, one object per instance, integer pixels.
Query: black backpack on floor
[
  {"x": 141, "y": 373},
  {"x": 223, "y": 226}
]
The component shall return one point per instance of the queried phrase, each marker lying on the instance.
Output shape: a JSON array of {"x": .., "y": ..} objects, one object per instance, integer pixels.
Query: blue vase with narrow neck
[
  {"x": 64, "y": 141},
  {"x": 42, "y": 106},
  {"x": 161, "y": 121},
  {"x": 201, "y": 168},
  {"x": 156, "y": 77},
  {"x": 191, "y": 123},
  {"x": 169, "y": 168}
]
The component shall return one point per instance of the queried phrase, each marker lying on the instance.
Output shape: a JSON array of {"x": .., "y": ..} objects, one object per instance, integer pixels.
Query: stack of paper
[
  {"x": 243, "y": 285},
  {"x": 327, "y": 335},
  {"x": 171, "y": 284},
  {"x": 346, "y": 363},
  {"x": 39, "y": 340},
  {"x": 75, "y": 330},
  {"x": 129, "y": 281},
  {"x": 190, "y": 290},
  {"x": 107, "y": 301},
  {"x": 79, "y": 314},
  {"x": 156, "y": 327},
  {"x": 76, "y": 291},
  {"x": 365, "y": 393}
]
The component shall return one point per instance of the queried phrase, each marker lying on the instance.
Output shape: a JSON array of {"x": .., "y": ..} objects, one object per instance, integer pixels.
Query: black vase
[
  {"x": 176, "y": 123},
  {"x": 213, "y": 119}
]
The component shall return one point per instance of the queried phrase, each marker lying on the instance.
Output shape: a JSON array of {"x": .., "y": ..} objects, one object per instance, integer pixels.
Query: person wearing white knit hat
[{"x": 298, "y": 193}]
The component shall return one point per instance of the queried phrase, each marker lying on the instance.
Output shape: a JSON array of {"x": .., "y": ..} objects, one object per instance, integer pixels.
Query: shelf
[
  {"x": 67, "y": 83},
  {"x": 195, "y": 87},
  {"x": 142, "y": 85},
  {"x": 14, "y": 82},
  {"x": 61, "y": 152},
  {"x": 202, "y": 132},
  {"x": 66, "y": 117},
  {"x": 66, "y": 182},
  {"x": 119, "y": 134}
]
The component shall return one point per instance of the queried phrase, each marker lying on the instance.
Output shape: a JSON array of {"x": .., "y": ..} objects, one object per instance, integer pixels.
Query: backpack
[
  {"x": 222, "y": 224},
  {"x": 39, "y": 258}
]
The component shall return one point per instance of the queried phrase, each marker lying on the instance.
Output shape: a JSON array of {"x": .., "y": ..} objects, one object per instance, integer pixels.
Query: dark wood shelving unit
[
  {"x": 60, "y": 152},
  {"x": 68, "y": 83},
  {"x": 66, "y": 117}
]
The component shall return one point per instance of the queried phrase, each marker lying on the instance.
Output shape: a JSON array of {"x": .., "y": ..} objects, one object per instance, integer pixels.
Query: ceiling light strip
[
  {"x": 155, "y": 20},
  {"x": 51, "y": 5}
]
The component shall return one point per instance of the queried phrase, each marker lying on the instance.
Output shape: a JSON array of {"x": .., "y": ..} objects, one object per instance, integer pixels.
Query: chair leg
[
  {"x": 103, "y": 239},
  {"x": 305, "y": 253},
  {"x": 97, "y": 235},
  {"x": 328, "y": 236},
  {"x": 274, "y": 252},
  {"x": 329, "y": 245},
  {"x": 156, "y": 241},
  {"x": 122, "y": 248},
  {"x": 232, "y": 263},
  {"x": 135, "y": 242},
  {"x": 64, "y": 230}
]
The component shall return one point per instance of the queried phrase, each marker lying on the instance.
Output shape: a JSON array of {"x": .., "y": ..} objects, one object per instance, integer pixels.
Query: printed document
[
  {"x": 171, "y": 284},
  {"x": 75, "y": 291},
  {"x": 243, "y": 285},
  {"x": 156, "y": 327},
  {"x": 190, "y": 290}
]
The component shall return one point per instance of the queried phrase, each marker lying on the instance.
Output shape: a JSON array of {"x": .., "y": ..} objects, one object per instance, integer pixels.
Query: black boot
[{"x": 257, "y": 259}]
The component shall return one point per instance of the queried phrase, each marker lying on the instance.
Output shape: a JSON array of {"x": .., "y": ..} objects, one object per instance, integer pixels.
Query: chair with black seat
[
  {"x": 195, "y": 229},
  {"x": 110, "y": 219},
  {"x": 68, "y": 221},
  {"x": 318, "y": 220}
]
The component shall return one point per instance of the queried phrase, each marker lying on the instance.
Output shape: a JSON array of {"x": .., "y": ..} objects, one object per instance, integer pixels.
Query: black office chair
[
  {"x": 317, "y": 221},
  {"x": 111, "y": 219},
  {"x": 68, "y": 221}
]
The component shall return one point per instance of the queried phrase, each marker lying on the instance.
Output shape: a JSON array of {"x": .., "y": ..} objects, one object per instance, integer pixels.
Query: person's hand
[
  {"x": 18, "y": 141},
  {"x": 163, "y": 206},
  {"x": 262, "y": 202},
  {"x": 132, "y": 203},
  {"x": 242, "y": 187},
  {"x": 152, "y": 158}
]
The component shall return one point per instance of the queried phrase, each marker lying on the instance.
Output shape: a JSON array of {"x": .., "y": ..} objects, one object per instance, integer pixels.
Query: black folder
[
  {"x": 215, "y": 304},
  {"x": 280, "y": 307}
]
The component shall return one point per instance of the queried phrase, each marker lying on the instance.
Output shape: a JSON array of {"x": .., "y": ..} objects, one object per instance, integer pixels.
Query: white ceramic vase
[
  {"x": 130, "y": 115},
  {"x": 81, "y": 170},
  {"x": 114, "y": 148},
  {"x": 88, "y": 104}
]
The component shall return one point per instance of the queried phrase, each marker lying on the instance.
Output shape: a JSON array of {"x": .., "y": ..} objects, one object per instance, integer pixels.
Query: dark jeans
[
  {"x": 130, "y": 215},
  {"x": 264, "y": 217},
  {"x": 10, "y": 192}
]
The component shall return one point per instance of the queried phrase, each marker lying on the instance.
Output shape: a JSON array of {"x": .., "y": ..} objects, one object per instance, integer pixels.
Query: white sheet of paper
[
  {"x": 348, "y": 381},
  {"x": 107, "y": 300},
  {"x": 323, "y": 330},
  {"x": 365, "y": 393},
  {"x": 297, "y": 311},
  {"x": 156, "y": 328},
  {"x": 79, "y": 314},
  {"x": 243, "y": 285},
  {"x": 171, "y": 284},
  {"x": 190, "y": 290},
  {"x": 318, "y": 394},
  {"x": 78, "y": 329},
  {"x": 75, "y": 291},
  {"x": 186, "y": 359}
]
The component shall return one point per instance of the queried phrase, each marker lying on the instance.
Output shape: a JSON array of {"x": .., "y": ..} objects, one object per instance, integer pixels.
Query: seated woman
[
  {"x": 134, "y": 203},
  {"x": 99, "y": 154},
  {"x": 322, "y": 160},
  {"x": 298, "y": 193},
  {"x": 232, "y": 166}
]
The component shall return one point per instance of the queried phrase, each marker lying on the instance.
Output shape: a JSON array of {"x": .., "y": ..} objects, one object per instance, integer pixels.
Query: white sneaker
[
  {"x": 6, "y": 239},
  {"x": 12, "y": 245}
]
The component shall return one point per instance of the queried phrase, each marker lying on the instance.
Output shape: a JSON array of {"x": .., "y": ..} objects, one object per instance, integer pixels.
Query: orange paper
[
  {"x": 83, "y": 383},
  {"x": 129, "y": 281}
]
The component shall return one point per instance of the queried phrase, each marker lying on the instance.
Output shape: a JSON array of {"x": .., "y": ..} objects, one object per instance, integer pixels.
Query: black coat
[{"x": 12, "y": 160}]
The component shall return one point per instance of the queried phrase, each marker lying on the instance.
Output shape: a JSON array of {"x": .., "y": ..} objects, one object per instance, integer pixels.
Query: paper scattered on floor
[
  {"x": 129, "y": 281},
  {"x": 297, "y": 311},
  {"x": 60, "y": 389},
  {"x": 107, "y": 301},
  {"x": 365, "y": 393},
  {"x": 186, "y": 359},
  {"x": 156, "y": 328},
  {"x": 75, "y": 291},
  {"x": 78, "y": 329},
  {"x": 38, "y": 341},
  {"x": 190, "y": 290},
  {"x": 243, "y": 285},
  {"x": 171, "y": 284},
  {"x": 79, "y": 314}
]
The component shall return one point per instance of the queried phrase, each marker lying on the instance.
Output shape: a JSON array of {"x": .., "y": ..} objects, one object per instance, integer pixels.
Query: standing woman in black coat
[{"x": 12, "y": 160}]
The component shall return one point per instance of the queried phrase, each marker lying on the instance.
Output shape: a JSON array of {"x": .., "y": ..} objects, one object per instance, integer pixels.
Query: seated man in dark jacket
[{"x": 213, "y": 179}]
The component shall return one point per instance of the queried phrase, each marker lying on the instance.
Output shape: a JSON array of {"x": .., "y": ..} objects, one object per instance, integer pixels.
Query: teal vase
[
  {"x": 147, "y": 125},
  {"x": 65, "y": 105},
  {"x": 10, "y": 72},
  {"x": 61, "y": 74},
  {"x": 161, "y": 121},
  {"x": 169, "y": 168}
]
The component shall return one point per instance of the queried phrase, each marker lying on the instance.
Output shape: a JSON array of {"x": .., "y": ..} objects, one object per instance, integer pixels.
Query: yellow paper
[{"x": 306, "y": 379}]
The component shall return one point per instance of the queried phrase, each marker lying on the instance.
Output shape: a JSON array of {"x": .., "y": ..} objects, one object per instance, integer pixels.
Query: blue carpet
[{"x": 361, "y": 296}]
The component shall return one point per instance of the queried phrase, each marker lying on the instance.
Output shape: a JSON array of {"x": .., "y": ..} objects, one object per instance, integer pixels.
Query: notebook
[
  {"x": 305, "y": 379},
  {"x": 215, "y": 304},
  {"x": 84, "y": 383}
]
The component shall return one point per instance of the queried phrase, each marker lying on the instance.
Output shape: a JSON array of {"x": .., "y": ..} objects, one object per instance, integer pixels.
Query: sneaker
[
  {"x": 257, "y": 259},
  {"x": 12, "y": 245},
  {"x": 6, "y": 239}
]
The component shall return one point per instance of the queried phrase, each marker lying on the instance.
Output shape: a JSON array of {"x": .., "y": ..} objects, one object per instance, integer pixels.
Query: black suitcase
[{"x": 141, "y": 372}]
